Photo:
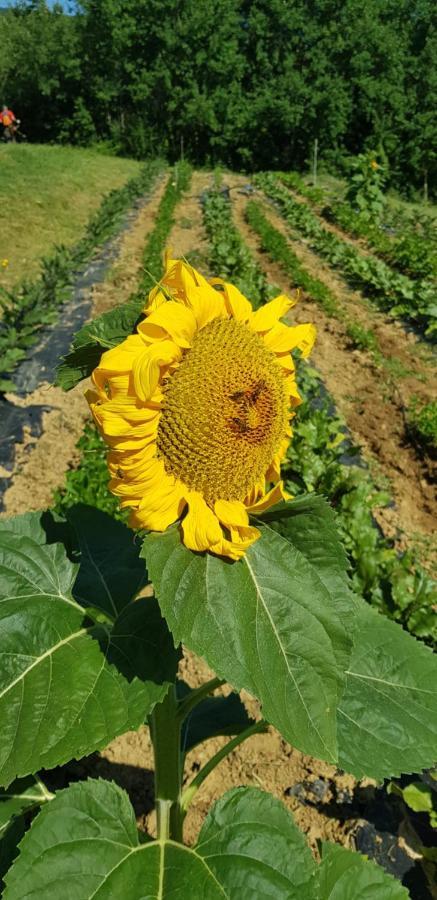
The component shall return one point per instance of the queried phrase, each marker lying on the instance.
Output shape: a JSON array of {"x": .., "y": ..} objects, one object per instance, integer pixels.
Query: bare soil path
[
  {"x": 41, "y": 463},
  {"x": 371, "y": 401}
]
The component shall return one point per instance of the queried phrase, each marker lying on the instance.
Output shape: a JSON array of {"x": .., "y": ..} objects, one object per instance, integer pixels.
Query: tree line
[{"x": 248, "y": 83}]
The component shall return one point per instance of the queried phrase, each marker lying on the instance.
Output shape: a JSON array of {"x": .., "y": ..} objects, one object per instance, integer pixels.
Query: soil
[
  {"x": 40, "y": 463},
  {"x": 372, "y": 402}
]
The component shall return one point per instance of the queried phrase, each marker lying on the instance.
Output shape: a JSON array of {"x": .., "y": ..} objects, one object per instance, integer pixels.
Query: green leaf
[
  {"x": 85, "y": 844},
  {"x": 267, "y": 623},
  {"x": 418, "y": 796},
  {"x": 59, "y": 695},
  {"x": 102, "y": 333},
  {"x": 111, "y": 572},
  {"x": 251, "y": 843},
  {"x": 211, "y": 717},
  {"x": 43, "y": 526},
  {"x": 25, "y": 793},
  {"x": 387, "y": 720},
  {"x": 22, "y": 796},
  {"x": 345, "y": 875}
]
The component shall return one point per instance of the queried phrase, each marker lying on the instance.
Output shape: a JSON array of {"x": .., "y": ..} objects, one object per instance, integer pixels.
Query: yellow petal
[
  {"x": 231, "y": 512},
  {"x": 269, "y": 314},
  {"x": 147, "y": 367},
  {"x": 283, "y": 338},
  {"x": 161, "y": 506},
  {"x": 275, "y": 495},
  {"x": 171, "y": 319},
  {"x": 237, "y": 305},
  {"x": 190, "y": 288},
  {"x": 200, "y": 527},
  {"x": 119, "y": 359},
  {"x": 241, "y": 539}
]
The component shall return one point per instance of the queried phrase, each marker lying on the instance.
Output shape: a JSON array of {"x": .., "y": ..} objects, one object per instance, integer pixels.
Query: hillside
[{"x": 52, "y": 191}]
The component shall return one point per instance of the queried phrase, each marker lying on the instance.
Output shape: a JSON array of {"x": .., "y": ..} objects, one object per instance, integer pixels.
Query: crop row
[
  {"x": 421, "y": 421},
  {"x": 396, "y": 584},
  {"x": 394, "y": 293},
  {"x": 33, "y": 305},
  {"x": 406, "y": 245}
]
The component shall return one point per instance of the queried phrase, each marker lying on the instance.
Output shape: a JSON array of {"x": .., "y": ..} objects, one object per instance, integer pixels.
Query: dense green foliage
[
  {"x": 32, "y": 305},
  {"x": 406, "y": 242},
  {"x": 252, "y": 83}
]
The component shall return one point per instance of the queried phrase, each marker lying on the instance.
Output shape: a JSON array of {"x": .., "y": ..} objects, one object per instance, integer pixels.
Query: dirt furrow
[{"x": 41, "y": 463}]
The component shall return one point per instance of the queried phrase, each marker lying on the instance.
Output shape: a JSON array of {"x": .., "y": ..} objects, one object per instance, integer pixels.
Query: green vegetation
[
  {"x": 407, "y": 241},
  {"x": 35, "y": 304},
  {"x": 228, "y": 254},
  {"x": 392, "y": 291},
  {"x": 362, "y": 338},
  {"x": 249, "y": 84},
  {"x": 422, "y": 423},
  {"x": 88, "y": 482},
  {"x": 49, "y": 194}
]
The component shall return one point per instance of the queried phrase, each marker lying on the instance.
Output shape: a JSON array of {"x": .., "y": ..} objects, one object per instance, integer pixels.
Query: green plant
[
  {"x": 422, "y": 423},
  {"x": 228, "y": 254},
  {"x": 365, "y": 186},
  {"x": 362, "y": 338}
]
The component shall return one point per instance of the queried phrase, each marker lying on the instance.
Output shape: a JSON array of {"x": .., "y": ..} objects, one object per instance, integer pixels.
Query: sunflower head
[{"x": 196, "y": 409}]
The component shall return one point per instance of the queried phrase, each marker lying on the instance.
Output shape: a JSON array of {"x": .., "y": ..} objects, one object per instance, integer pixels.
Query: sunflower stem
[
  {"x": 191, "y": 790},
  {"x": 196, "y": 696},
  {"x": 165, "y": 732}
]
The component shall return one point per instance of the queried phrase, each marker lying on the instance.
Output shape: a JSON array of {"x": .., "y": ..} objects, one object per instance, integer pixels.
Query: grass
[{"x": 52, "y": 193}]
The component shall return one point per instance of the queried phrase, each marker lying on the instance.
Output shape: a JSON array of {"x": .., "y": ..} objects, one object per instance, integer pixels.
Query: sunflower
[{"x": 196, "y": 409}]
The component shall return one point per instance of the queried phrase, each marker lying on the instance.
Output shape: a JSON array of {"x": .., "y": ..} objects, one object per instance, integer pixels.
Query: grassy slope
[{"x": 51, "y": 191}]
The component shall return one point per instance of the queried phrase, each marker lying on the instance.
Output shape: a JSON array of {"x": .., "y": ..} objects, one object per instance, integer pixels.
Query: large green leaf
[
  {"x": 345, "y": 875},
  {"x": 387, "y": 720},
  {"x": 60, "y": 696},
  {"x": 85, "y": 844},
  {"x": 267, "y": 623},
  {"x": 309, "y": 524},
  {"x": 111, "y": 572},
  {"x": 250, "y": 842}
]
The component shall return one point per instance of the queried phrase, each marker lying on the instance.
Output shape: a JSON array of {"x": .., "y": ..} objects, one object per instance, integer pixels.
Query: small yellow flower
[
  {"x": 5, "y": 263},
  {"x": 374, "y": 165},
  {"x": 196, "y": 408}
]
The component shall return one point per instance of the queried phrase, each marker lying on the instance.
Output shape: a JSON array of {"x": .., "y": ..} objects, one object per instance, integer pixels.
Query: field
[
  {"x": 51, "y": 194},
  {"x": 365, "y": 436}
]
